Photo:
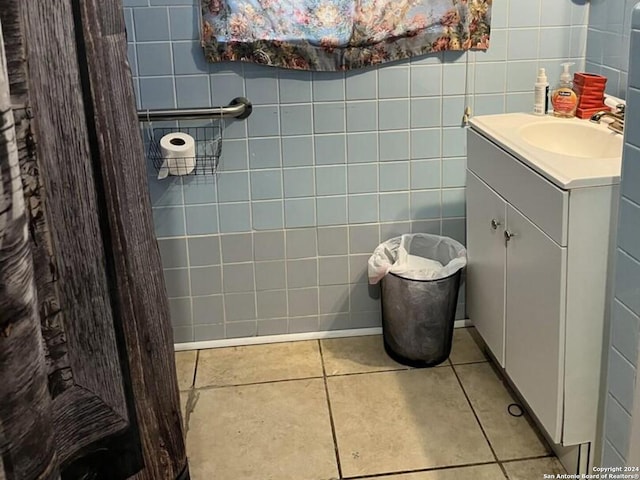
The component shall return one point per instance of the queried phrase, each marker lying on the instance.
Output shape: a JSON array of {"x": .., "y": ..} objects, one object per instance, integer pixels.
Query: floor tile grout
[
  {"x": 498, "y": 461},
  {"x": 195, "y": 369},
  {"x": 333, "y": 426},
  {"x": 484, "y": 433},
  {"x": 349, "y": 374},
  {"x": 421, "y": 470},
  {"x": 208, "y": 387},
  {"x": 516, "y": 398},
  {"x": 523, "y": 459},
  {"x": 469, "y": 363},
  {"x": 266, "y": 382}
]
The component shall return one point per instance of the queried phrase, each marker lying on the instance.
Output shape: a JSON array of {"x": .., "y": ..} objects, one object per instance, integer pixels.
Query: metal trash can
[
  {"x": 418, "y": 318},
  {"x": 420, "y": 276}
]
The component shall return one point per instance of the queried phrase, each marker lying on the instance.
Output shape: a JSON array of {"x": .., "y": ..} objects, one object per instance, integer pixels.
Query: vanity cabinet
[
  {"x": 536, "y": 284},
  {"x": 486, "y": 214},
  {"x": 517, "y": 272},
  {"x": 535, "y": 300}
]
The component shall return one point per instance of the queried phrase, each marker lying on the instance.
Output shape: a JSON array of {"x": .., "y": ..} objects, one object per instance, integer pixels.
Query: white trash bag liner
[{"x": 417, "y": 256}]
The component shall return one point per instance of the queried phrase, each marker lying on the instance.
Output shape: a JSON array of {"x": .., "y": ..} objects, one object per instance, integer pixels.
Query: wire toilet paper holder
[
  {"x": 208, "y": 137},
  {"x": 208, "y": 148}
]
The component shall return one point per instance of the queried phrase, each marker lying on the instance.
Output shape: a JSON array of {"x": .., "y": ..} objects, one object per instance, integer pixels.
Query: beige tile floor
[{"x": 341, "y": 408}]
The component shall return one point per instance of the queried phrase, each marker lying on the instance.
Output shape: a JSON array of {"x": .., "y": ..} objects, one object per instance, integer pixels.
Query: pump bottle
[
  {"x": 563, "y": 98},
  {"x": 541, "y": 90}
]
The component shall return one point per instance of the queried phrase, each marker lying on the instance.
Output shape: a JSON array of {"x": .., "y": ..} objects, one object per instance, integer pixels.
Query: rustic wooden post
[
  {"x": 138, "y": 270},
  {"x": 26, "y": 429},
  {"x": 103, "y": 380}
]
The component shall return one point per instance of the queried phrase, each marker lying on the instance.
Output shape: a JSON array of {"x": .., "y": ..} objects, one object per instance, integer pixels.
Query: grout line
[
  {"x": 613, "y": 447},
  {"x": 399, "y": 369},
  {"x": 302, "y": 167},
  {"x": 484, "y": 433},
  {"x": 539, "y": 26},
  {"x": 253, "y": 270},
  {"x": 283, "y": 380},
  {"x": 189, "y": 286},
  {"x": 333, "y": 426},
  {"x": 462, "y": 364},
  {"x": 351, "y": 374},
  {"x": 433, "y": 469},
  {"x": 220, "y": 256},
  {"x": 611, "y": 396},
  {"x": 534, "y": 457},
  {"x": 195, "y": 370}
]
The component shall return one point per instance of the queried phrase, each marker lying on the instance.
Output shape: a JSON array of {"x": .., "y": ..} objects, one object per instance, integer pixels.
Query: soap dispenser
[{"x": 564, "y": 99}]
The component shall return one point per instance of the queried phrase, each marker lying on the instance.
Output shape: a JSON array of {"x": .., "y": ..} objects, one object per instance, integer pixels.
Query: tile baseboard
[{"x": 291, "y": 337}]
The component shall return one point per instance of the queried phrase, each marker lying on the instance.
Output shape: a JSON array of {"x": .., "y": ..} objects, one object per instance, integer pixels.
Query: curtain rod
[{"x": 239, "y": 108}]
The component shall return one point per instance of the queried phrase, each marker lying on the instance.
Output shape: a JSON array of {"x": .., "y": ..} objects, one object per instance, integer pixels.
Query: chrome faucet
[{"x": 618, "y": 118}]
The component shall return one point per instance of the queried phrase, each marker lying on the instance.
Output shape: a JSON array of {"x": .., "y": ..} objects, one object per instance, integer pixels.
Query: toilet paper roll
[{"x": 179, "y": 154}]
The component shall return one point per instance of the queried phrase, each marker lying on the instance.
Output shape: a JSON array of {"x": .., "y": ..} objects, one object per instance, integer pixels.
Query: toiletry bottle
[
  {"x": 564, "y": 99},
  {"x": 541, "y": 102}
]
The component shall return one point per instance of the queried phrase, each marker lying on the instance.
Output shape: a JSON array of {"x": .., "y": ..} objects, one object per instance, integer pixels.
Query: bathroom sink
[
  {"x": 569, "y": 152},
  {"x": 582, "y": 140}
]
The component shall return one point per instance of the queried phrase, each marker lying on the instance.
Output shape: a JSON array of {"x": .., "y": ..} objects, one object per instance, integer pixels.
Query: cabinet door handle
[
  {"x": 509, "y": 235},
  {"x": 495, "y": 224}
]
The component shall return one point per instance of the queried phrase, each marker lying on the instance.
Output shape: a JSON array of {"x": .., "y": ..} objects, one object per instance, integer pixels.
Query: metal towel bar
[{"x": 239, "y": 108}]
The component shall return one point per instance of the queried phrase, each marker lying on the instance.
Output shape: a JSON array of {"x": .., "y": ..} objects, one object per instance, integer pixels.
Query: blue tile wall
[
  {"x": 625, "y": 311},
  {"x": 608, "y": 40},
  {"x": 330, "y": 149},
  {"x": 330, "y": 159}
]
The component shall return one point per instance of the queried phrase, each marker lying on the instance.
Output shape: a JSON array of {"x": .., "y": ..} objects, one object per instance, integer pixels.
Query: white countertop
[{"x": 564, "y": 171}]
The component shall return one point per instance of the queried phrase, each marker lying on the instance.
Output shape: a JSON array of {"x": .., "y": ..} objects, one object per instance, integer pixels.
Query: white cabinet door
[
  {"x": 486, "y": 269},
  {"x": 535, "y": 312}
]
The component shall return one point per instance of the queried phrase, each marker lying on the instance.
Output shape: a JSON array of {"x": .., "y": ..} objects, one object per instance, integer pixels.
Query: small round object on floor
[{"x": 515, "y": 410}]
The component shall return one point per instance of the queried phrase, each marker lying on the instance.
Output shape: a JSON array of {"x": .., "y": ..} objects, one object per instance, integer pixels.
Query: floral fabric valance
[{"x": 340, "y": 34}]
